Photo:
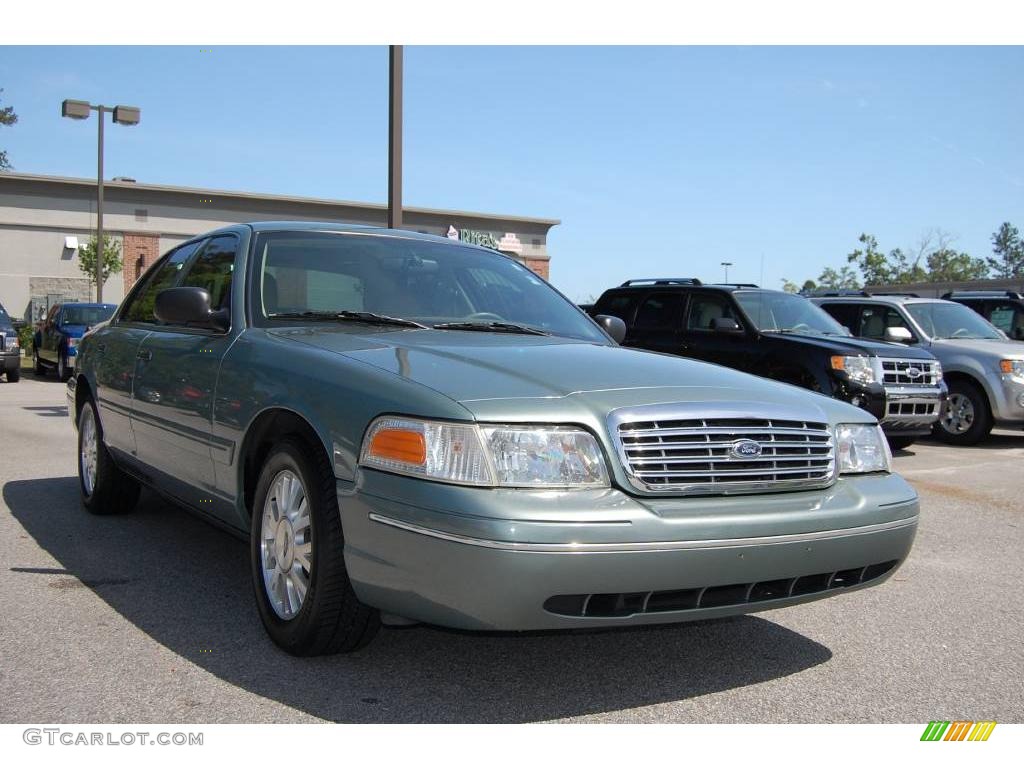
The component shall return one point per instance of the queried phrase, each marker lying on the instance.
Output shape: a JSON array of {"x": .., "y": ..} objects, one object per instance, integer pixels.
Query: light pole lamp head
[
  {"x": 126, "y": 115},
  {"x": 76, "y": 110}
]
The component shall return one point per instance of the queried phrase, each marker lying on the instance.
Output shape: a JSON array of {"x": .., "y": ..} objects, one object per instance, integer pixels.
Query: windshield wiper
[
  {"x": 371, "y": 318},
  {"x": 494, "y": 327}
]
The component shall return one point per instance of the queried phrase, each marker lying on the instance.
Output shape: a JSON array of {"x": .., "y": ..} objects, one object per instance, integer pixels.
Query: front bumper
[
  {"x": 912, "y": 410},
  {"x": 525, "y": 560},
  {"x": 1008, "y": 400}
]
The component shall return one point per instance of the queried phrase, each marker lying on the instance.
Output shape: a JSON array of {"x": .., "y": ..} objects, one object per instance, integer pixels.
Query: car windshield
[
  {"x": 4, "y": 319},
  {"x": 386, "y": 280},
  {"x": 85, "y": 315},
  {"x": 947, "y": 320},
  {"x": 771, "y": 311}
]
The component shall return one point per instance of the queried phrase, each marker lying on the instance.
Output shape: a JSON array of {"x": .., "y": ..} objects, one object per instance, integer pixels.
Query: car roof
[
  {"x": 881, "y": 299},
  {"x": 671, "y": 286}
]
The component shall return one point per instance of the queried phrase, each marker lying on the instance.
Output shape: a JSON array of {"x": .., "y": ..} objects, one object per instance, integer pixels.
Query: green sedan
[{"x": 411, "y": 429}]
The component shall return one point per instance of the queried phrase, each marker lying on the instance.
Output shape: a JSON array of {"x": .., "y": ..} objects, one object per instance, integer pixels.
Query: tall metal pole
[
  {"x": 395, "y": 139},
  {"x": 99, "y": 211}
]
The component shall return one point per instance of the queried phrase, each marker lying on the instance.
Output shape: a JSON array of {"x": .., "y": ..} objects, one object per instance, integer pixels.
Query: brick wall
[
  {"x": 138, "y": 251},
  {"x": 540, "y": 266}
]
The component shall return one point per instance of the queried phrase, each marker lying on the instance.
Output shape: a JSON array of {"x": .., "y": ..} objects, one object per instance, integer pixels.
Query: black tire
[
  {"x": 63, "y": 372},
  {"x": 113, "y": 492},
  {"x": 37, "y": 365},
  {"x": 900, "y": 443},
  {"x": 14, "y": 374},
  {"x": 331, "y": 619},
  {"x": 952, "y": 424}
]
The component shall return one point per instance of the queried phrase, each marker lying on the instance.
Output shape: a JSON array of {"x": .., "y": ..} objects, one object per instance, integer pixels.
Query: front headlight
[
  {"x": 485, "y": 455},
  {"x": 862, "y": 448},
  {"x": 1013, "y": 367},
  {"x": 858, "y": 369}
]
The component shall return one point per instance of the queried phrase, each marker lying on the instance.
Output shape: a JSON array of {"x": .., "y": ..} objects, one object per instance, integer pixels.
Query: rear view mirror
[
  {"x": 725, "y": 325},
  {"x": 190, "y": 307},
  {"x": 899, "y": 335},
  {"x": 613, "y": 326}
]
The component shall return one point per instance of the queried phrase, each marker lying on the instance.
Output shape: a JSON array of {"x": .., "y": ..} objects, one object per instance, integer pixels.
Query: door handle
[
  {"x": 101, "y": 348},
  {"x": 145, "y": 355}
]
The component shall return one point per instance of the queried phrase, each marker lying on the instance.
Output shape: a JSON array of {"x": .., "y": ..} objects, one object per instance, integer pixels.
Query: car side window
[
  {"x": 845, "y": 314},
  {"x": 140, "y": 307},
  {"x": 1006, "y": 317},
  {"x": 619, "y": 305},
  {"x": 660, "y": 310},
  {"x": 213, "y": 269},
  {"x": 874, "y": 320},
  {"x": 705, "y": 309}
]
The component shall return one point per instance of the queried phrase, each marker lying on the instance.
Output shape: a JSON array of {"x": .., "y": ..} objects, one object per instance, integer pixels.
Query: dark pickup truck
[
  {"x": 785, "y": 337},
  {"x": 10, "y": 350}
]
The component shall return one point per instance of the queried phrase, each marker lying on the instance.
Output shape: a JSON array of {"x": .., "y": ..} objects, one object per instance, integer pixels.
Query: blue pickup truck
[{"x": 55, "y": 345}]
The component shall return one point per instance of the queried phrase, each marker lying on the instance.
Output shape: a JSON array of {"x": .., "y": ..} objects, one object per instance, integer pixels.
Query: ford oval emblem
[
  {"x": 913, "y": 373},
  {"x": 745, "y": 449}
]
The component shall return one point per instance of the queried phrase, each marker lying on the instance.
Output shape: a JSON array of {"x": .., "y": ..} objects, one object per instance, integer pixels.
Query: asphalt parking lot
[{"x": 150, "y": 618}]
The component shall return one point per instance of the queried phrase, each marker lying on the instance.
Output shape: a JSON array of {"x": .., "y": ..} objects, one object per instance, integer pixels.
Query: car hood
[
  {"x": 852, "y": 345},
  {"x": 999, "y": 348},
  {"x": 516, "y": 376}
]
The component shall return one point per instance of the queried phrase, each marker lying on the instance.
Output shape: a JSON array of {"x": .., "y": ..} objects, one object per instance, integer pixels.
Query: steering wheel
[
  {"x": 800, "y": 327},
  {"x": 490, "y": 317},
  {"x": 960, "y": 333}
]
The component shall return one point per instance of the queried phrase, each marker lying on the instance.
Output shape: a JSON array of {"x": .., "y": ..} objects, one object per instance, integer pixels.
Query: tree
[
  {"x": 1007, "y": 245},
  {"x": 871, "y": 262},
  {"x": 843, "y": 280},
  {"x": 809, "y": 286},
  {"x": 789, "y": 286},
  {"x": 7, "y": 117},
  {"x": 111, "y": 258},
  {"x": 948, "y": 265}
]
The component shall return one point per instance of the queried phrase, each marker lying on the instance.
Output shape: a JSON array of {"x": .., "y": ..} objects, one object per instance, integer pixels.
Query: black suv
[
  {"x": 10, "y": 351},
  {"x": 1004, "y": 309},
  {"x": 785, "y": 337}
]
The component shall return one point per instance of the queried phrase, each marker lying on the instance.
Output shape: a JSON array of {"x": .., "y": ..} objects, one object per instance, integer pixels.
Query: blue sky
[{"x": 658, "y": 161}]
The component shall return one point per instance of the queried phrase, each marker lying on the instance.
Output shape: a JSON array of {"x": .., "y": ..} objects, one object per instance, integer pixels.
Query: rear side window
[
  {"x": 213, "y": 269},
  {"x": 845, "y": 314},
  {"x": 1008, "y": 318},
  {"x": 140, "y": 306},
  {"x": 620, "y": 305},
  {"x": 660, "y": 310}
]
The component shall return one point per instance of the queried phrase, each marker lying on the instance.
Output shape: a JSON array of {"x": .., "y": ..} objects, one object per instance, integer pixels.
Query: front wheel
[
  {"x": 303, "y": 592},
  {"x": 966, "y": 418},
  {"x": 105, "y": 489}
]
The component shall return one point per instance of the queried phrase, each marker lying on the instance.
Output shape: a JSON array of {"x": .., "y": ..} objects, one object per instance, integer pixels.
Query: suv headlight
[
  {"x": 1013, "y": 367},
  {"x": 856, "y": 368},
  {"x": 485, "y": 455},
  {"x": 862, "y": 448}
]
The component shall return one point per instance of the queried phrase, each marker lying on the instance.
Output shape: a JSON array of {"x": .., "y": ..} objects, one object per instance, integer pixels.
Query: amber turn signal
[{"x": 402, "y": 445}]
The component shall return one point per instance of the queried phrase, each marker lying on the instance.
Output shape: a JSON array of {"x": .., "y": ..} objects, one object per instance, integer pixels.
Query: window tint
[
  {"x": 660, "y": 310},
  {"x": 1008, "y": 318},
  {"x": 619, "y": 305},
  {"x": 140, "y": 308},
  {"x": 845, "y": 314},
  {"x": 705, "y": 308},
  {"x": 874, "y": 320},
  {"x": 213, "y": 269},
  {"x": 85, "y": 315}
]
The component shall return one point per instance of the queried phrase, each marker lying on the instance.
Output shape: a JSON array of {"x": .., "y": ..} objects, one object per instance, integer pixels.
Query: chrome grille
[
  {"x": 706, "y": 455},
  {"x": 901, "y": 373}
]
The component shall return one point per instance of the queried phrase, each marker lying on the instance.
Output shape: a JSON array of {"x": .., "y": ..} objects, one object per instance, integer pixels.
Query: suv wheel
[
  {"x": 62, "y": 369},
  {"x": 966, "y": 418},
  {"x": 303, "y": 592},
  {"x": 105, "y": 489},
  {"x": 37, "y": 365}
]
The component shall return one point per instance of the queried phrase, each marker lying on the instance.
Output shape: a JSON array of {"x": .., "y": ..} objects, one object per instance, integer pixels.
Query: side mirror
[
  {"x": 725, "y": 325},
  {"x": 613, "y": 326},
  {"x": 189, "y": 306},
  {"x": 899, "y": 335}
]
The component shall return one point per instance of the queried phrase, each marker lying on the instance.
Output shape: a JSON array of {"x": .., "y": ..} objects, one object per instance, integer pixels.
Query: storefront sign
[{"x": 476, "y": 237}]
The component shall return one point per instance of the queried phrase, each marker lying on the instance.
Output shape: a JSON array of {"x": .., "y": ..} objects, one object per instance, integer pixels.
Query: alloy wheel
[
  {"x": 286, "y": 545},
  {"x": 87, "y": 454},
  {"x": 959, "y": 414}
]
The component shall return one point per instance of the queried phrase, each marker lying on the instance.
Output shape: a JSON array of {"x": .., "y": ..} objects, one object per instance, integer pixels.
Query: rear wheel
[
  {"x": 63, "y": 372},
  {"x": 105, "y": 489},
  {"x": 899, "y": 443},
  {"x": 13, "y": 374},
  {"x": 303, "y": 592},
  {"x": 966, "y": 418}
]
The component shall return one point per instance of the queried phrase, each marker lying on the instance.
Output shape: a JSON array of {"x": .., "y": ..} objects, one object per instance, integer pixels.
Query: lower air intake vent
[{"x": 632, "y": 603}]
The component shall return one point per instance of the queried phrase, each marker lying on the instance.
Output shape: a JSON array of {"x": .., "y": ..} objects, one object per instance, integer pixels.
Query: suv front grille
[
  {"x": 909, "y": 373},
  {"x": 727, "y": 455}
]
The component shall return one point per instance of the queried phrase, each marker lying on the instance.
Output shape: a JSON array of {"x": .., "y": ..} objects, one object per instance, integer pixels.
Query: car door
[
  {"x": 116, "y": 345},
  {"x": 657, "y": 322},
  {"x": 175, "y": 383},
  {"x": 701, "y": 341},
  {"x": 49, "y": 336}
]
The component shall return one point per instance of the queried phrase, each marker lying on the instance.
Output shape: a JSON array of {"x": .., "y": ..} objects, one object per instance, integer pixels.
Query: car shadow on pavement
[{"x": 186, "y": 585}]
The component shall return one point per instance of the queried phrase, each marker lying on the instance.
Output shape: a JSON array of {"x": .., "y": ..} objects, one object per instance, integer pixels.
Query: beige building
[{"x": 44, "y": 220}]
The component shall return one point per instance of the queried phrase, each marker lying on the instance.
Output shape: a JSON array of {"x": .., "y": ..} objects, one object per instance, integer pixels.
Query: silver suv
[{"x": 983, "y": 368}]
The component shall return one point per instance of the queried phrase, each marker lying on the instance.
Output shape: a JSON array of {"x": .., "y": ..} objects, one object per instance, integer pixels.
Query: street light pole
[
  {"x": 79, "y": 110},
  {"x": 99, "y": 209},
  {"x": 726, "y": 264},
  {"x": 395, "y": 138}
]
